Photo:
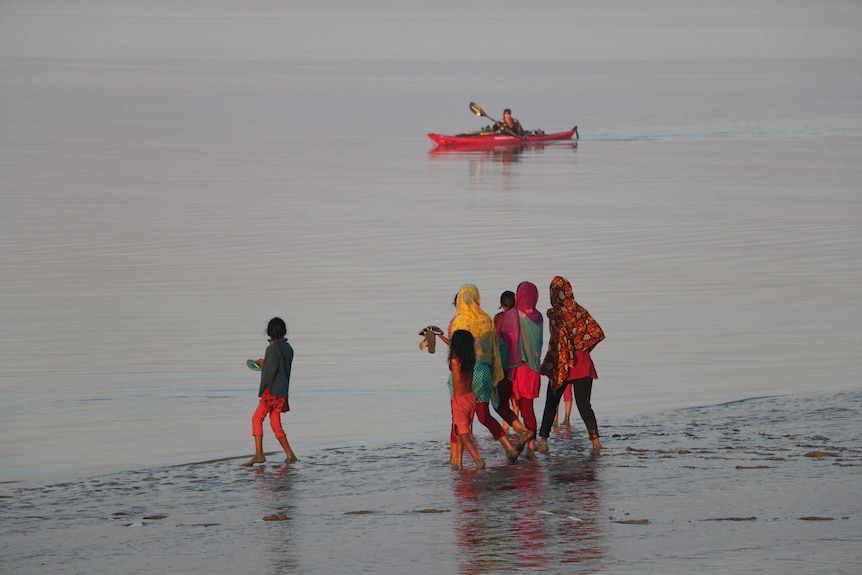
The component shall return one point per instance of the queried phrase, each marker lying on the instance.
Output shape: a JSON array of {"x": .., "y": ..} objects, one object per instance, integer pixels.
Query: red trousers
[
  {"x": 272, "y": 406},
  {"x": 483, "y": 414}
]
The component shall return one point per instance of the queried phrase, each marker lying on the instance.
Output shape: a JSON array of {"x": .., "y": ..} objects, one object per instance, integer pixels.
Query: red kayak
[{"x": 494, "y": 139}]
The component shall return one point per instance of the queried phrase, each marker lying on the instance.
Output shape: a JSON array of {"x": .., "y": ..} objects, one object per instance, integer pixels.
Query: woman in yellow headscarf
[{"x": 488, "y": 371}]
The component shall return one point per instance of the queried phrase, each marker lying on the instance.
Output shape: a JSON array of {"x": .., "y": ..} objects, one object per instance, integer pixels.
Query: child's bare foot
[
  {"x": 597, "y": 445},
  {"x": 480, "y": 464},
  {"x": 512, "y": 455},
  {"x": 291, "y": 458},
  {"x": 531, "y": 455},
  {"x": 566, "y": 422},
  {"x": 258, "y": 458},
  {"x": 526, "y": 437},
  {"x": 542, "y": 446}
]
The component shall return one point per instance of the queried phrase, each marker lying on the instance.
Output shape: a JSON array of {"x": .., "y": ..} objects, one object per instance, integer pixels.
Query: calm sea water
[{"x": 171, "y": 178}]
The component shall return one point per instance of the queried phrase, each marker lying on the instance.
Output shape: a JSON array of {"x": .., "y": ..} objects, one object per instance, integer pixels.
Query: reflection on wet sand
[
  {"x": 531, "y": 517},
  {"x": 274, "y": 486},
  {"x": 529, "y": 524},
  {"x": 580, "y": 502}
]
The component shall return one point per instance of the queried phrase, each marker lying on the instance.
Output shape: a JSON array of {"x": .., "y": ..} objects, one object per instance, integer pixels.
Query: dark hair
[
  {"x": 462, "y": 345},
  {"x": 507, "y": 298},
  {"x": 276, "y": 328},
  {"x": 507, "y": 111}
]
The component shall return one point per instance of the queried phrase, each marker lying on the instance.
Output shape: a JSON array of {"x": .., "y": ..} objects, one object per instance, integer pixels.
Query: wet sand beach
[
  {"x": 766, "y": 485},
  {"x": 173, "y": 176}
]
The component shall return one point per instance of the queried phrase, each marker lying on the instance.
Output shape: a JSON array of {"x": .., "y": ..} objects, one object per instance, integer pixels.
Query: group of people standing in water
[
  {"x": 499, "y": 362},
  {"x": 492, "y": 362}
]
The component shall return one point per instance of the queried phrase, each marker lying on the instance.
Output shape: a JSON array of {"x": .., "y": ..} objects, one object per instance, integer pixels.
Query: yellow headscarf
[{"x": 469, "y": 316}]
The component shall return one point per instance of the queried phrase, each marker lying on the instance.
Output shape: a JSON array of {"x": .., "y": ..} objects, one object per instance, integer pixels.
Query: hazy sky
[{"x": 446, "y": 30}]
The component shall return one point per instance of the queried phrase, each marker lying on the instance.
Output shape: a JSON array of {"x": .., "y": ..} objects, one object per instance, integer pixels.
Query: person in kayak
[{"x": 509, "y": 125}]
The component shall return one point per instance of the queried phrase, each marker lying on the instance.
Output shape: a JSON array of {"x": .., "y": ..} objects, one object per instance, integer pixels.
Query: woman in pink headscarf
[{"x": 521, "y": 334}]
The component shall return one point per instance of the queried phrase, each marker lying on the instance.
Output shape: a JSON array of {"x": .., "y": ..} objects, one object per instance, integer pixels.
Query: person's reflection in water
[
  {"x": 529, "y": 524},
  {"x": 583, "y": 542},
  {"x": 483, "y": 524},
  {"x": 531, "y": 518},
  {"x": 274, "y": 484},
  {"x": 468, "y": 533}
]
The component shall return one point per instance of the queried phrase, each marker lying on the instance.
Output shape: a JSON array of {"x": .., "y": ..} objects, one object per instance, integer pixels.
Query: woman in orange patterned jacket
[{"x": 573, "y": 335}]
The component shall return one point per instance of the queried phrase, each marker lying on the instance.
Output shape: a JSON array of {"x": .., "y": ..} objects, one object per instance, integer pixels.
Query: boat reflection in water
[
  {"x": 493, "y": 166},
  {"x": 491, "y": 152}
]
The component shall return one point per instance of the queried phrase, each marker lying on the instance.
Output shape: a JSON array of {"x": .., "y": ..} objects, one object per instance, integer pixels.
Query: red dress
[{"x": 583, "y": 368}]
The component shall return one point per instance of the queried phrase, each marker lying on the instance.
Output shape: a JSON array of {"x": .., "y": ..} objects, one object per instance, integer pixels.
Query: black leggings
[{"x": 583, "y": 389}]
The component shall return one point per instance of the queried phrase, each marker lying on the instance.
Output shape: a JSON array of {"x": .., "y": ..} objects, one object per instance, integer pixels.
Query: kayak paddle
[{"x": 477, "y": 109}]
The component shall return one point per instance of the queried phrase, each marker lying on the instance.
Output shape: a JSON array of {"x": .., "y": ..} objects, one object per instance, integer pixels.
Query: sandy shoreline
[{"x": 687, "y": 490}]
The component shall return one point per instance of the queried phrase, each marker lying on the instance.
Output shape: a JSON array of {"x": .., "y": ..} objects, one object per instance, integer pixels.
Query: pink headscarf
[{"x": 526, "y": 298}]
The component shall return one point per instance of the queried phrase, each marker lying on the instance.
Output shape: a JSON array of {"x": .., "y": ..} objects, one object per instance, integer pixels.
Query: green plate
[{"x": 252, "y": 364}]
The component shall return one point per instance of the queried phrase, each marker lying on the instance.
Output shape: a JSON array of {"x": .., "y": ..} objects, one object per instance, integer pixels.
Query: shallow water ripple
[{"x": 756, "y": 484}]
